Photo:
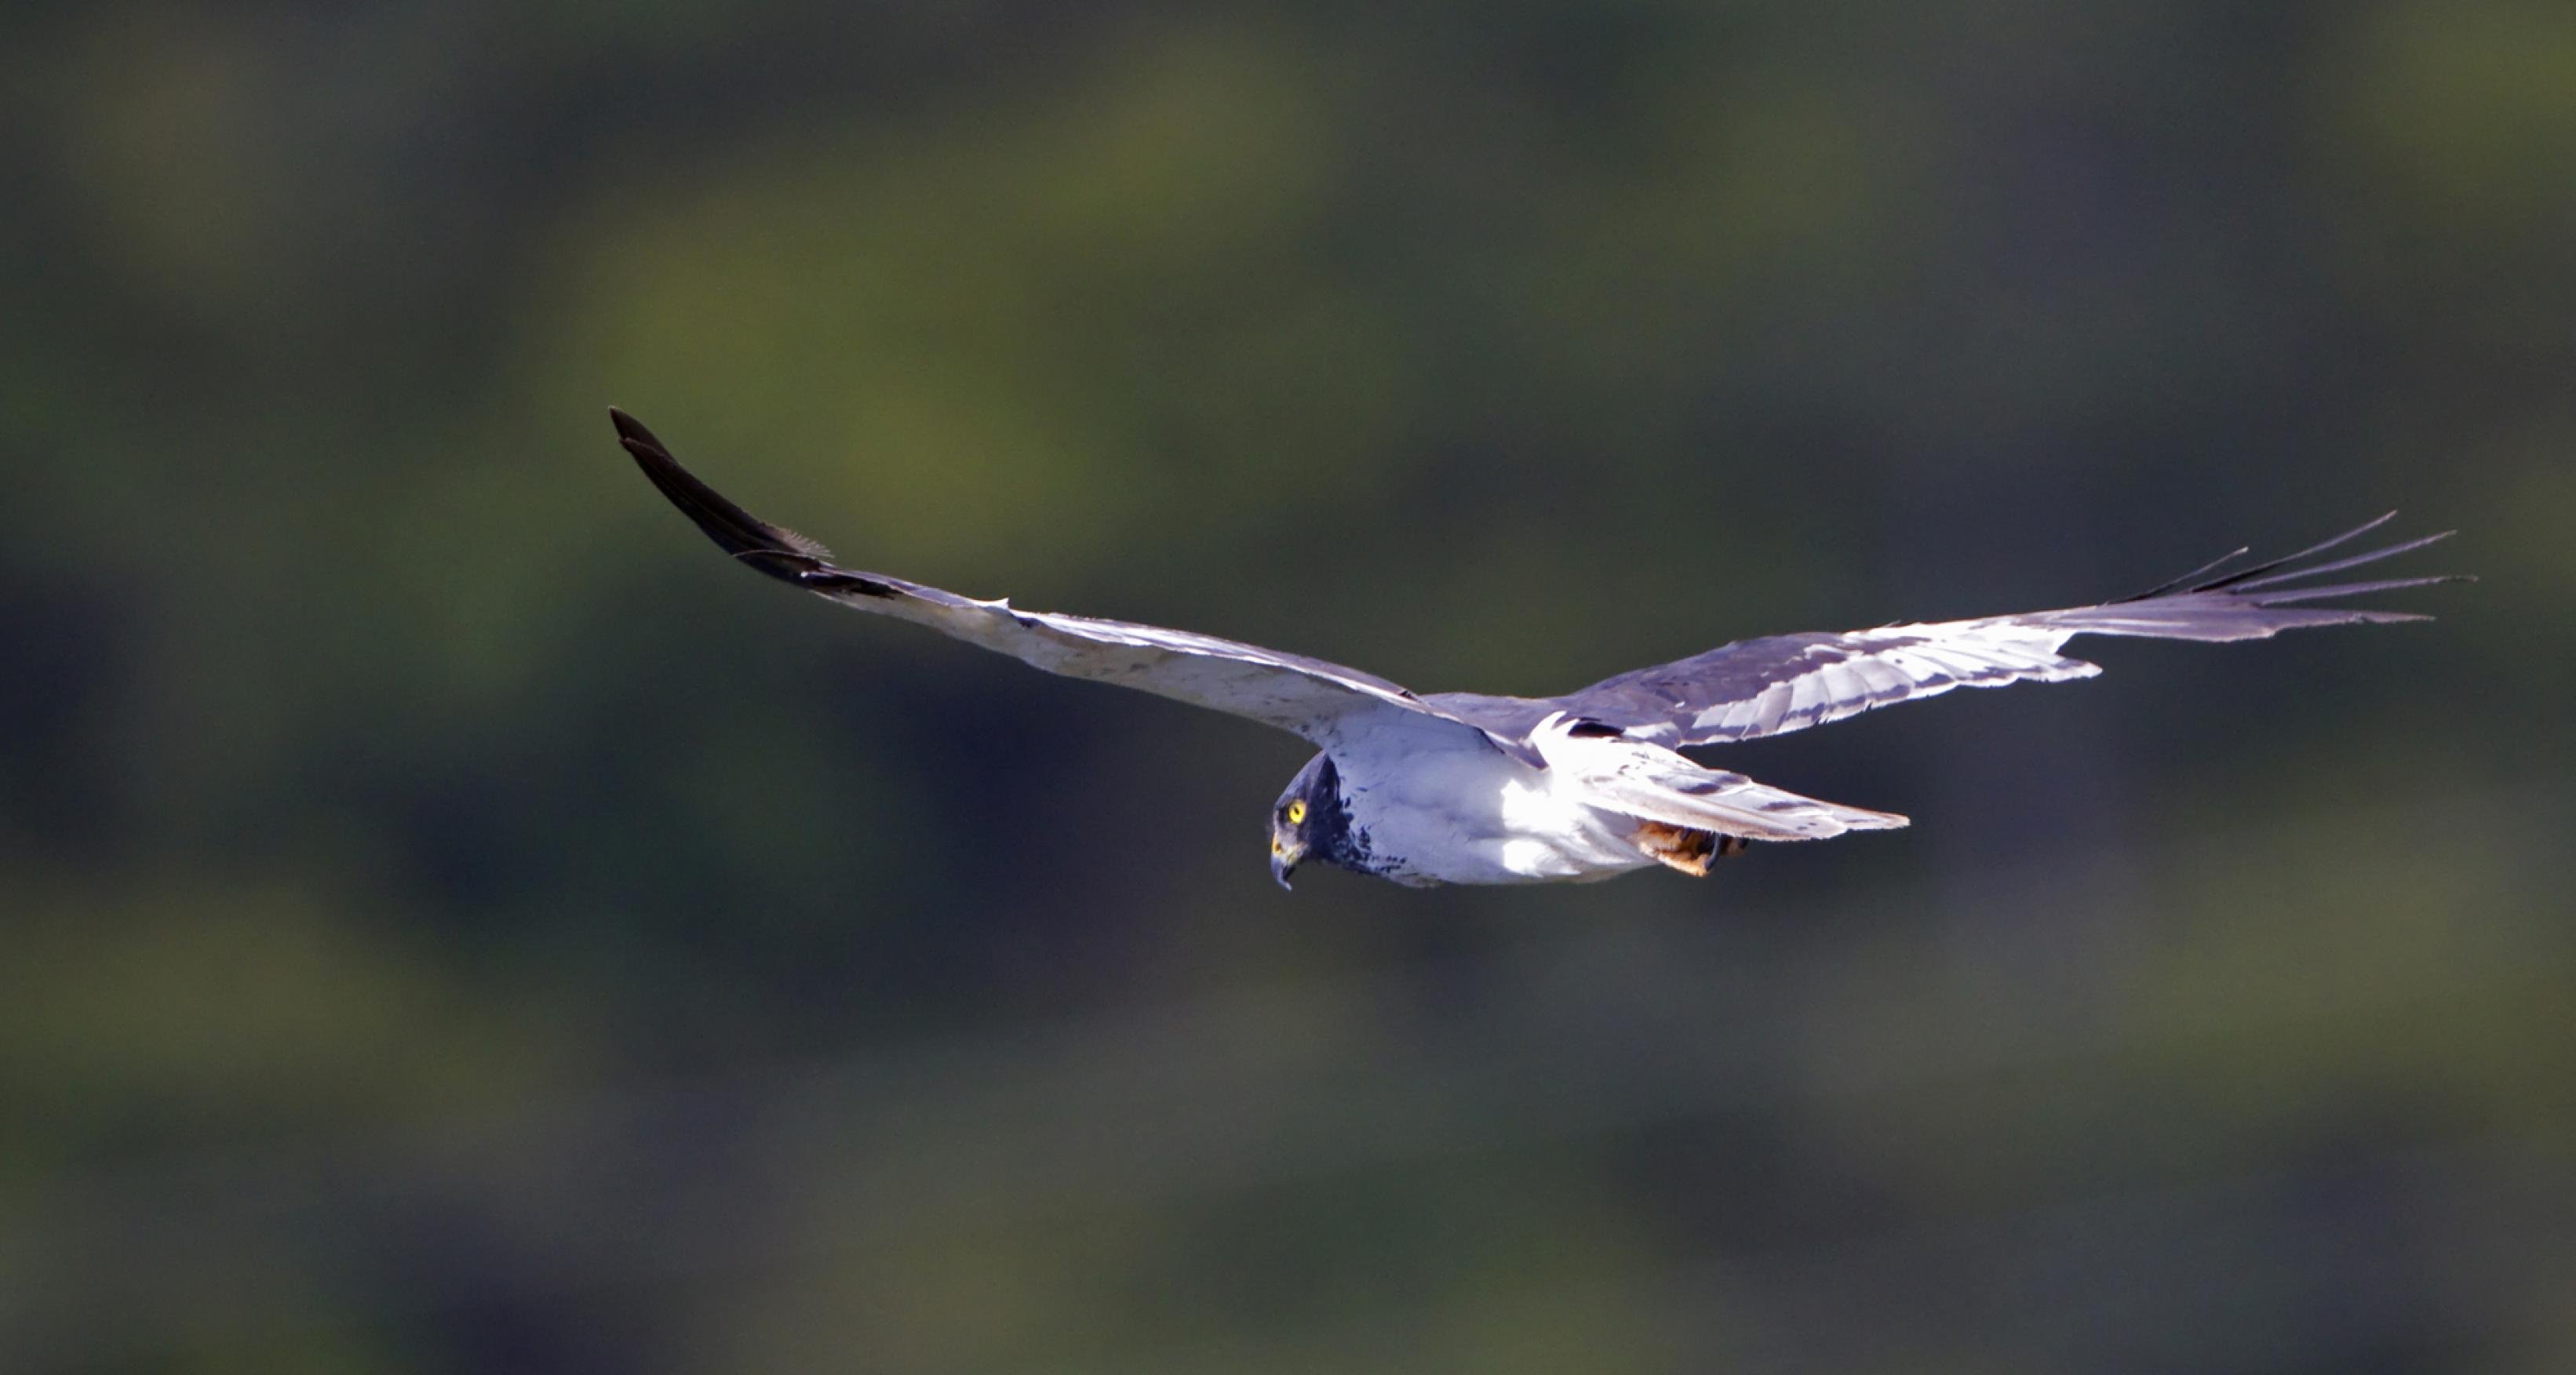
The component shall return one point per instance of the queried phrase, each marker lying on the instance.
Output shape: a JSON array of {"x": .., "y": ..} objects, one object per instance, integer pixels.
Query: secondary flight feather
[{"x": 1460, "y": 787}]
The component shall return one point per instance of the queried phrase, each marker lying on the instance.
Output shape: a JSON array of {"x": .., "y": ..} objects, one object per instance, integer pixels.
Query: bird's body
[
  {"x": 1466, "y": 788},
  {"x": 1598, "y": 804},
  {"x": 1467, "y": 815}
]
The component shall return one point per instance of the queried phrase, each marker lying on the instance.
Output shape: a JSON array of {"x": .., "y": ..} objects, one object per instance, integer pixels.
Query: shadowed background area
[{"x": 451, "y": 921}]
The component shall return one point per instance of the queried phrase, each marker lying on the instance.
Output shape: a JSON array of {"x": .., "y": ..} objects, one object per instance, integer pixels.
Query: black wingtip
[
  {"x": 2204, "y": 570},
  {"x": 647, "y": 448},
  {"x": 2256, "y": 576},
  {"x": 650, "y": 452},
  {"x": 2286, "y": 569},
  {"x": 775, "y": 550}
]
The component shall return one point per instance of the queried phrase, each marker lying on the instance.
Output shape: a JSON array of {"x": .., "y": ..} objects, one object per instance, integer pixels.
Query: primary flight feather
[{"x": 1461, "y": 787}]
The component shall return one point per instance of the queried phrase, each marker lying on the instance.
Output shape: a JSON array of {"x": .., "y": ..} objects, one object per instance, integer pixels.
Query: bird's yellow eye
[{"x": 1297, "y": 812}]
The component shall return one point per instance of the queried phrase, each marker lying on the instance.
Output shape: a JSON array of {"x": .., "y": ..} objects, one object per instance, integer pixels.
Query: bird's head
[{"x": 1303, "y": 822}]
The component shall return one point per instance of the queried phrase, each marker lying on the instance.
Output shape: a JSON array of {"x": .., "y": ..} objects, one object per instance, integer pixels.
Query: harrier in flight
[{"x": 1460, "y": 787}]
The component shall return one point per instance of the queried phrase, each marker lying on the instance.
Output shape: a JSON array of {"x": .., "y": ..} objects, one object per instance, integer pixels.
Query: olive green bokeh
[{"x": 450, "y": 921}]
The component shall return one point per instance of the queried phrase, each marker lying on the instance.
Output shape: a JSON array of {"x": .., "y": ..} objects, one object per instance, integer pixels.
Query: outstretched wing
[
  {"x": 1324, "y": 702},
  {"x": 1782, "y": 683}
]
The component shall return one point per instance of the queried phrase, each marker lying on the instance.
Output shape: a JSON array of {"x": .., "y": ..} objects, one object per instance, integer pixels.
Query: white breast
[{"x": 1476, "y": 815}]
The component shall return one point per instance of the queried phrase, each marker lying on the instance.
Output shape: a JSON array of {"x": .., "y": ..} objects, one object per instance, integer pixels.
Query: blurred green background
[{"x": 450, "y": 921}]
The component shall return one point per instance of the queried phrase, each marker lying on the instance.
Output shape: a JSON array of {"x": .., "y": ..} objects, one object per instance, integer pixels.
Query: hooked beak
[{"x": 1283, "y": 860}]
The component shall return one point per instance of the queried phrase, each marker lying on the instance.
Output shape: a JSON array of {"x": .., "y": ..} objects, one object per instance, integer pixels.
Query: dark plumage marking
[
  {"x": 2252, "y": 578},
  {"x": 773, "y": 549},
  {"x": 1333, "y": 838}
]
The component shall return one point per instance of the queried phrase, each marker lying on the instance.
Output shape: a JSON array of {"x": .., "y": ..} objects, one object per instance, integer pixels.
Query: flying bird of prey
[{"x": 1461, "y": 787}]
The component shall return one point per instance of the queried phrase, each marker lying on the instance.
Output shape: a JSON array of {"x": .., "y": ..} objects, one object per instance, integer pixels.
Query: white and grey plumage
[{"x": 1460, "y": 787}]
